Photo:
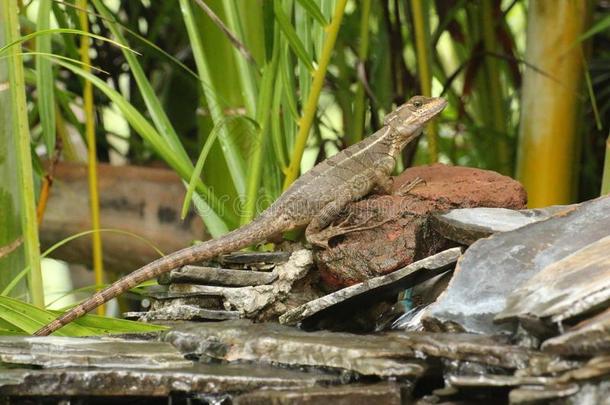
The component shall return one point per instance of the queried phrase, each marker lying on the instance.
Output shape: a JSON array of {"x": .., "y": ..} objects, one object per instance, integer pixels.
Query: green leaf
[
  {"x": 160, "y": 119},
  {"x": 18, "y": 316},
  {"x": 45, "y": 80},
  {"x": 149, "y": 133},
  {"x": 232, "y": 154},
  {"x": 103, "y": 325},
  {"x": 314, "y": 11},
  {"x": 38, "y": 33},
  {"x": 599, "y": 26},
  {"x": 291, "y": 36},
  {"x": 28, "y": 318}
]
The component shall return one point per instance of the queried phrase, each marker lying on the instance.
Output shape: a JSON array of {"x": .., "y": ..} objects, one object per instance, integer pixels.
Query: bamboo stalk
[
  {"x": 548, "y": 135},
  {"x": 94, "y": 199},
  {"x": 16, "y": 85},
  {"x": 363, "y": 49},
  {"x": 309, "y": 111},
  {"x": 424, "y": 70},
  {"x": 496, "y": 100}
]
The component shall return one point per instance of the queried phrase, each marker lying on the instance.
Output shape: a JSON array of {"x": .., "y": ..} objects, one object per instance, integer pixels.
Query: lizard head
[{"x": 415, "y": 113}]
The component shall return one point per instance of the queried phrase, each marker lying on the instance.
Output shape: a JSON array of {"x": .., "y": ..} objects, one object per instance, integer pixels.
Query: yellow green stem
[
  {"x": 363, "y": 50},
  {"x": 494, "y": 87},
  {"x": 309, "y": 111},
  {"x": 94, "y": 200},
  {"x": 24, "y": 171},
  {"x": 424, "y": 70}
]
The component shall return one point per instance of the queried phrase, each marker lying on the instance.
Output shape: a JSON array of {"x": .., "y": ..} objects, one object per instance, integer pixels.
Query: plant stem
[
  {"x": 420, "y": 21},
  {"x": 309, "y": 111},
  {"x": 606, "y": 175},
  {"x": 262, "y": 117},
  {"x": 24, "y": 169},
  {"x": 94, "y": 199},
  {"x": 363, "y": 49},
  {"x": 494, "y": 87}
]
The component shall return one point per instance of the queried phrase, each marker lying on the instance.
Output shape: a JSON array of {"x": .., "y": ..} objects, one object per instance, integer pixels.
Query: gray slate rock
[
  {"x": 383, "y": 355},
  {"x": 381, "y": 393},
  {"x": 589, "y": 337},
  {"x": 58, "y": 352},
  {"x": 467, "y": 225},
  {"x": 565, "y": 289},
  {"x": 491, "y": 269},
  {"x": 198, "y": 378},
  {"x": 217, "y": 276},
  {"x": 406, "y": 277}
]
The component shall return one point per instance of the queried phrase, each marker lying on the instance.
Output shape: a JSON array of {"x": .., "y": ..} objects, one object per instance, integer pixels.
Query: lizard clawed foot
[
  {"x": 322, "y": 237},
  {"x": 404, "y": 189}
]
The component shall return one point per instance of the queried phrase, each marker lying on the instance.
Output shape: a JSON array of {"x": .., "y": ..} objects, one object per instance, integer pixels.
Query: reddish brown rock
[{"x": 407, "y": 236}]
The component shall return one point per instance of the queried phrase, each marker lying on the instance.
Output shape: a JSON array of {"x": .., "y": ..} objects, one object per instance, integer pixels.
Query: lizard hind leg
[{"x": 321, "y": 229}]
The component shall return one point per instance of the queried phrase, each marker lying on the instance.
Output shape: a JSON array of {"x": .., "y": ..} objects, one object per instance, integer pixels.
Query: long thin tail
[{"x": 247, "y": 235}]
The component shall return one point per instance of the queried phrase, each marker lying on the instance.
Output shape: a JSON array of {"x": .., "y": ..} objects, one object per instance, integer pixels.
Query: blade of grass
[
  {"x": 599, "y": 26},
  {"x": 231, "y": 152},
  {"x": 29, "y": 224},
  {"x": 314, "y": 11},
  {"x": 201, "y": 161},
  {"x": 291, "y": 35},
  {"x": 363, "y": 48},
  {"x": 44, "y": 79},
  {"x": 62, "y": 242},
  {"x": 94, "y": 199},
  {"x": 26, "y": 318},
  {"x": 29, "y": 318},
  {"x": 309, "y": 111},
  {"x": 103, "y": 325},
  {"x": 496, "y": 98},
  {"x": 149, "y": 133},
  {"x": 160, "y": 119},
  {"x": 262, "y": 117},
  {"x": 244, "y": 64},
  {"x": 422, "y": 36},
  {"x": 277, "y": 135},
  {"x": 36, "y": 34}
]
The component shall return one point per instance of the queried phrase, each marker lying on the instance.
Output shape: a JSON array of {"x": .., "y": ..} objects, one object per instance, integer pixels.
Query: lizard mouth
[{"x": 437, "y": 105}]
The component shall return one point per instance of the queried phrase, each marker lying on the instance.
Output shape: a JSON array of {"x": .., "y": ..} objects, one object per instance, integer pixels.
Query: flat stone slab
[
  {"x": 253, "y": 300},
  {"x": 218, "y": 276},
  {"x": 467, "y": 225},
  {"x": 199, "y": 378},
  {"x": 183, "y": 312},
  {"x": 589, "y": 337},
  {"x": 255, "y": 257},
  {"x": 567, "y": 288},
  {"x": 406, "y": 277},
  {"x": 384, "y": 355},
  {"x": 58, "y": 352},
  {"x": 272, "y": 343},
  {"x": 381, "y": 393},
  {"x": 491, "y": 269}
]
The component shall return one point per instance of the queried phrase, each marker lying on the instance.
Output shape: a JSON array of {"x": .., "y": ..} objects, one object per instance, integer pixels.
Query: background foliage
[{"x": 239, "y": 97}]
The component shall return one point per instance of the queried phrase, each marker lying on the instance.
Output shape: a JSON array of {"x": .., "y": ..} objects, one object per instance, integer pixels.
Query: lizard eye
[{"x": 417, "y": 104}]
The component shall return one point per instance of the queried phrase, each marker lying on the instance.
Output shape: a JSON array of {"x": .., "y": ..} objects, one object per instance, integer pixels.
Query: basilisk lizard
[{"x": 314, "y": 201}]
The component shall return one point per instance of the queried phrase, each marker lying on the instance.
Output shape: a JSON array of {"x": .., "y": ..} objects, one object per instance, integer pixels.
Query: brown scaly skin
[{"x": 314, "y": 200}]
